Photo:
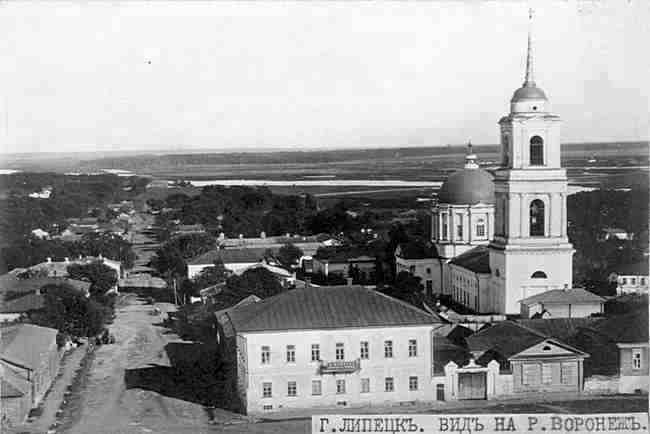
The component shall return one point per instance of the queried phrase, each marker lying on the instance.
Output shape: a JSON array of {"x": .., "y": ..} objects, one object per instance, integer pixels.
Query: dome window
[{"x": 538, "y": 275}]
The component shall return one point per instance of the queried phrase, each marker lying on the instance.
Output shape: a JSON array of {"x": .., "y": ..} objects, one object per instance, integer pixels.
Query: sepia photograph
[{"x": 294, "y": 217}]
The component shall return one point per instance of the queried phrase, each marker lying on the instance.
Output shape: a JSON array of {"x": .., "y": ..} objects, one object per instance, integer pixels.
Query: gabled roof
[
  {"x": 561, "y": 296},
  {"x": 416, "y": 250},
  {"x": 476, "y": 260},
  {"x": 563, "y": 329},
  {"x": 231, "y": 256},
  {"x": 14, "y": 350},
  {"x": 327, "y": 307},
  {"x": 506, "y": 337},
  {"x": 445, "y": 351},
  {"x": 9, "y": 282}
]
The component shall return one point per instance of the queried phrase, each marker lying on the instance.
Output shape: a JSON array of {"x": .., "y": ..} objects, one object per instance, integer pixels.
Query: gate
[{"x": 472, "y": 385}]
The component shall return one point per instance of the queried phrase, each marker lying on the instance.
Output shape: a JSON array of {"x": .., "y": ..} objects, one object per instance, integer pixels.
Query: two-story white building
[{"x": 335, "y": 346}]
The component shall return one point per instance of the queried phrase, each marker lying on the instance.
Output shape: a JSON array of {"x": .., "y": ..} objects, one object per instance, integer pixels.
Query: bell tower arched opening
[
  {"x": 537, "y": 218},
  {"x": 536, "y": 151}
]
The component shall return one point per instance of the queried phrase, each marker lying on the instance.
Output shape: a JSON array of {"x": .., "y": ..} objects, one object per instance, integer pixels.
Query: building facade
[{"x": 336, "y": 346}]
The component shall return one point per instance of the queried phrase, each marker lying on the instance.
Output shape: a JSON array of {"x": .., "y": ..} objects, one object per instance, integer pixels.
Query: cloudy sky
[{"x": 158, "y": 75}]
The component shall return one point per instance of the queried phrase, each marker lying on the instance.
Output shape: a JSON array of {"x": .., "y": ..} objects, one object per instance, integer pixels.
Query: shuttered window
[
  {"x": 569, "y": 372},
  {"x": 547, "y": 373},
  {"x": 530, "y": 374}
]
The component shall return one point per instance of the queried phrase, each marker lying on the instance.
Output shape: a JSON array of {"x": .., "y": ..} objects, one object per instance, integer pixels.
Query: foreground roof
[
  {"x": 327, "y": 307},
  {"x": 476, "y": 260},
  {"x": 561, "y": 296},
  {"x": 14, "y": 350}
]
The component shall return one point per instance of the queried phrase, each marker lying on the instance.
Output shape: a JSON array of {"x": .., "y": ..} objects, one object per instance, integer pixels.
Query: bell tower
[{"x": 530, "y": 252}]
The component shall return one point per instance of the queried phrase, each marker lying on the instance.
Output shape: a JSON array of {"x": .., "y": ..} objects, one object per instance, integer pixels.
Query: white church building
[{"x": 502, "y": 237}]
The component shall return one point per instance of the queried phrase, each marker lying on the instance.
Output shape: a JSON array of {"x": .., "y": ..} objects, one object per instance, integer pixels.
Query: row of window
[
  {"x": 633, "y": 281},
  {"x": 479, "y": 228},
  {"x": 364, "y": 351},
  {"x": 531, "y": 373},
  {"x": 317, "y": 387}
]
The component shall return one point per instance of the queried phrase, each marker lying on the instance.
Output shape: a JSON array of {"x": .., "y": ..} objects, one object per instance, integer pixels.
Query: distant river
[{"x": 320, "y": 183}]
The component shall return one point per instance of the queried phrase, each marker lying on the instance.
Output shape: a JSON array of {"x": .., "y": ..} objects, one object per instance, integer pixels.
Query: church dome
[
  {"x": 467, "y": 187},
  {"x": 528, "y": 92}
]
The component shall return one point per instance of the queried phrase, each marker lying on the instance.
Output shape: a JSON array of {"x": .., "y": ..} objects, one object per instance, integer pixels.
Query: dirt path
[{"x": 119, "y": 394}]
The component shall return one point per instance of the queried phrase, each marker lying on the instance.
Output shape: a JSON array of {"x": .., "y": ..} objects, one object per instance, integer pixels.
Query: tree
[
  {"x": 70, "y": 312},
  {"x": 101, "y": 277},
  {"x": 209, "y": 276},
  {"x": 406, "y": 287},
  {"x": 289, "y": 254},
  {"x": 257, "y": 281}
]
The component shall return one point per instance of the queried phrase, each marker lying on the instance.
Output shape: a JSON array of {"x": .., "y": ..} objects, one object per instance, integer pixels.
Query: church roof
[
  {"x": 476, "y": 260},
  {"x": 467, "y": 187},
  {"x": 528, "y": 93}
]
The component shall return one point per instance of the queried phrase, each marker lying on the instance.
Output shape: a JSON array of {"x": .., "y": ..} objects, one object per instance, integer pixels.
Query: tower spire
[
  {"x": 470, "y": 157},
  {"x": 529, "y": 80}
]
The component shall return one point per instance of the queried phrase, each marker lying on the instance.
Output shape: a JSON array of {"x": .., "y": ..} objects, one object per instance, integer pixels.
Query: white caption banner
[{"x": 483, "y": 423}]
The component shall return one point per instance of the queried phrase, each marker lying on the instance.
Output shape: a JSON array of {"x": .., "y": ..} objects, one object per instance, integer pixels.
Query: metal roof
[
  {"x": 327, "y": 307},
  {"x": 14, "y": 350},
  {"x": 476, "y": 260},
  {"x": 561, "y": 296}
]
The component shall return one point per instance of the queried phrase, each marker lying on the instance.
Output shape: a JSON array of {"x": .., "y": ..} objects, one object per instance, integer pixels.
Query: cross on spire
[{"x": 529, "y": 80}]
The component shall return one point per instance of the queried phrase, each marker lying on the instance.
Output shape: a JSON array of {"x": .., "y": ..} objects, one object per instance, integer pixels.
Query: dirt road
[{"x": 119, "y": 394}]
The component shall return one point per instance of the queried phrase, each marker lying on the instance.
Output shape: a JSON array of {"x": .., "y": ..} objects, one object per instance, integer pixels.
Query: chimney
[
  {"x": 566, "y": 287},
  {"x": 66, "y": 260},
  {"x": 100, "y": 257},
  {"x": 49, "y": 259},
  {"x": 307, "y": 281},
  {"x": 241, "y": 236},
  {"x": 349, "y": 279},
  {"x": 38, "y": 290},
  {"x": 262, "y": 234}
]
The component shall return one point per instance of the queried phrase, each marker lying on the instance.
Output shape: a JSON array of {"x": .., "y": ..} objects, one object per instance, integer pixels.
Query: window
[
  {"x": 389, "y": 384},
  {"x": 536, "y": 151},
  {"x": 480, "y": 228},
  {"x": 412, "y": 269},
  {"x": 266, "y": 355},
  {"x": 530, "y": 373},
  {"x": 388, "y": 349},
  {"x": 291, "y": 353},
  {"x": 364, "y": 351},
  {"x": 365, "y": 385},
  {"x": 413, "y": 348},
  {"x": 623, "y": 281},
  {"x": 315, "y": 352},
  {"x": 569, "y": 372},
  {"x": 538, "y": 275},
  {"x": 340, "y": 352},
  {"x": 413, "y": 383},
  {"x": 291, "y": 388},
  {"x": 266, "y": 390},
  {"x": 340, "y": 386},
  {"x": 537, "y": 218},
  {"x": 429, "y": 286},
  {"x": 267, "y": 407},
  {"x": 636, "y": 358},
  {"x": 459, "y": 226},
  {"x": 506, "y": 150},
  {"x": 444, "y": 226},
  {"x": 316, "y": 387},
  {"x": 632, "y": 280},
  {"x": 428, "y": 270},
  {"x": 547, "y": 373}
]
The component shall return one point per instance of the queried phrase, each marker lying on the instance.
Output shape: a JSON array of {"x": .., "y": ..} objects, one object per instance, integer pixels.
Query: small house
[{"x": 562, "y": 303}]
